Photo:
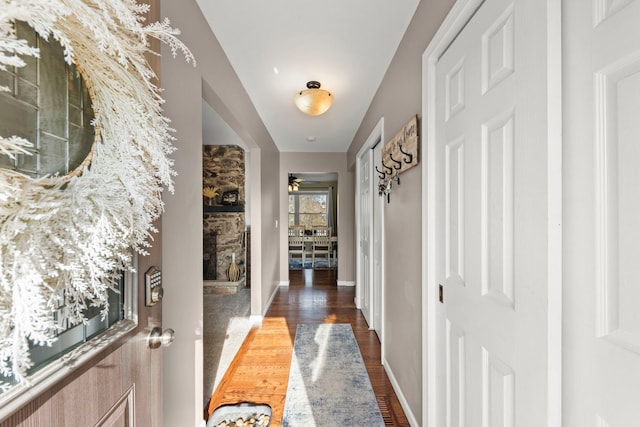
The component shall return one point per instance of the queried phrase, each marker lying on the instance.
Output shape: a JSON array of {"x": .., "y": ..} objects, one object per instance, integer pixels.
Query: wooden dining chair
[
  {"x": 297, "y": 247},
  {"x": 321, "y": 245},
  {"x": 297, "y": 230}
]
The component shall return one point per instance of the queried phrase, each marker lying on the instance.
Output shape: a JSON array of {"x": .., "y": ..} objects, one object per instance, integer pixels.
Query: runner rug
[{"x": 328, "y": 382}]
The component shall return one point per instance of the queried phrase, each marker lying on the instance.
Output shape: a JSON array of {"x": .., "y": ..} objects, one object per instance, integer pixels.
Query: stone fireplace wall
[{"x": 223, "y": 167}]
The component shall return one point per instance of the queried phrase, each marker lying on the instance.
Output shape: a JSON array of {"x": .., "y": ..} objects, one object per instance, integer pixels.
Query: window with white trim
[{"x": 308, "y": 208}]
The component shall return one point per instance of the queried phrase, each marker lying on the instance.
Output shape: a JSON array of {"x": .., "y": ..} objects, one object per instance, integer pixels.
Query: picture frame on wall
[{"x": 230, "y": 198}]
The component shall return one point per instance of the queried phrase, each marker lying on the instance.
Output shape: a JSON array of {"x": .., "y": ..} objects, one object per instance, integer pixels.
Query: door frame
[
  {"x": 376, "y": 136},
  {"x": 461, "y": 12},
  {"x": 377, "y": 227}
]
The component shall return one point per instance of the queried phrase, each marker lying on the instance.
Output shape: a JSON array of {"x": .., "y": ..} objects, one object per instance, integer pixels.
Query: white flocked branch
[{"x": 74, "y": 233}]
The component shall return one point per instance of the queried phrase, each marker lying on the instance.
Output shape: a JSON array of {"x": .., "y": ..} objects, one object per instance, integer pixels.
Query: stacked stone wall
[{"x": 223, "y": 168}]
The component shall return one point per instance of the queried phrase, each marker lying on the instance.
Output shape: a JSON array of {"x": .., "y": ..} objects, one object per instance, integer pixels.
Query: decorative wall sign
[
  {"x": 72, "y": 235},
  {"x": 399, "y": 154}
]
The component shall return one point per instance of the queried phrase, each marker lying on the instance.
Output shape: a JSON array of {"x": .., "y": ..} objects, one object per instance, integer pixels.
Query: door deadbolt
[{"x": 153, "y": 286}]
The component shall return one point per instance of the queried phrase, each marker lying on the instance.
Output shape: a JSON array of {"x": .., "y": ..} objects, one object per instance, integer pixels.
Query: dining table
[{"x": 308, "y": 239}]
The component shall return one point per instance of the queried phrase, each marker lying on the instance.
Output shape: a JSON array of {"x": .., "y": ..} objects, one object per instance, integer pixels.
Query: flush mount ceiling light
[{"x": 313, "y": 100}]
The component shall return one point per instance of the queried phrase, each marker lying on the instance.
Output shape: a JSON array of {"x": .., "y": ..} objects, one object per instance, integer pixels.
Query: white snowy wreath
[{"x": 75, "y": 232}]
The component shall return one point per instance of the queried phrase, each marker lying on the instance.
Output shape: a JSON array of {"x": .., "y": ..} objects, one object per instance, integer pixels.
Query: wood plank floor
[{"x": 260, "y": 371}]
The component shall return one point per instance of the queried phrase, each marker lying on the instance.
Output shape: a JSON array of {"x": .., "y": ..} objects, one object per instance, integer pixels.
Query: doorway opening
[
  {"x": 312, "y": 221},
  {"x": 370, "y": 233},
  {"x": 226, "y": 228}
]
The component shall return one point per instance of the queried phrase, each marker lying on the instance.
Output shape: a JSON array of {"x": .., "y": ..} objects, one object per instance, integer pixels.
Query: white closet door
[
  {"x": 602, "y": 213},
  {"x": 495, "y": 226}
]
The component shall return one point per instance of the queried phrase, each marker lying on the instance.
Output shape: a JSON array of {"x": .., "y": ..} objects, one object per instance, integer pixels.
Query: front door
[
  {"x": 602, "y": 210},
  {"x": 494, "y": 199},
  {"x": 120, "y": 385}
]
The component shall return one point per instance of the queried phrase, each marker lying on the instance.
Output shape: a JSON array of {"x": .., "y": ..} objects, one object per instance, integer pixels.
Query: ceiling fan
[{"x": 294, "y": 182}]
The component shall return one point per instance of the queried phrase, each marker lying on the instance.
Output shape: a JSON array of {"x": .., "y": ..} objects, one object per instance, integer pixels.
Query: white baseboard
[
  {"x": 255, "y": 320},
  {"x": 403, "y": 401},
  {"x": 271, "y": 297},
  {"x": 345, "y": 283},
  {"x": 284, "y": 283}
]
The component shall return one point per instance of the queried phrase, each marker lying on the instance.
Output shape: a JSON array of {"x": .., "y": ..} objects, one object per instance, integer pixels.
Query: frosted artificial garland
[{"x": 74, "y": 232}]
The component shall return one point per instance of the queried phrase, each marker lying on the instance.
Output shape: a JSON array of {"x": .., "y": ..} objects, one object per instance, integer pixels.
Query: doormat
[{"x": 328, "y": 382}]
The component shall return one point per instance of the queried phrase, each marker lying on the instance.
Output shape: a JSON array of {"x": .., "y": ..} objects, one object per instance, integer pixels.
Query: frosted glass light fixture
[{"x": 313, "y": 100}]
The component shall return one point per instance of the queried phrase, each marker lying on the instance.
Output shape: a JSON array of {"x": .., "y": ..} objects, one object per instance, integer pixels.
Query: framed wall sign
[{"x": 230, "y": 198}]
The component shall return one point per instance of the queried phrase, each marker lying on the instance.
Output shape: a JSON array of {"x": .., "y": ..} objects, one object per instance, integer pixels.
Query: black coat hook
[
  {"x": 382, "y": 174},
  {"x": 387, "y": 168},
  {"x": 398, "y": 165},
  {"x": 409, "y": 155}
]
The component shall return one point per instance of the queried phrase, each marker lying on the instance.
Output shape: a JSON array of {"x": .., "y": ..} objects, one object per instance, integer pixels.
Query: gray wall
[
  {"x": 397, "y": 100},
  {"x": 322, "y": 162},
  {"x": 185, "y": 87}
]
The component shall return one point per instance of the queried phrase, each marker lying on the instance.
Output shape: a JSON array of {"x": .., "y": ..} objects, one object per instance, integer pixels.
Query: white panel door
[
  {"x": 364, "y": 221},
  {"x": 602, "y": 213},
  {"x": 376, "y": 248},
  {"x": 494, "y": 200}
]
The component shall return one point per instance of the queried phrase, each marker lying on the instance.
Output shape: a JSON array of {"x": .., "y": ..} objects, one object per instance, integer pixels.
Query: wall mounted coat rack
[
  {"x": 399, "y": 154},
  {"x": 401, "y": 151}
]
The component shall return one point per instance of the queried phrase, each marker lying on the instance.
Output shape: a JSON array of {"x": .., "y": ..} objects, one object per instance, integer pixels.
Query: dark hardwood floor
[{"x": 260, "y": 371}]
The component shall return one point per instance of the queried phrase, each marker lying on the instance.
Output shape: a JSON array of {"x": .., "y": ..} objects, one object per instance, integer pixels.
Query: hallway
[{"x": 260, "y": 371}]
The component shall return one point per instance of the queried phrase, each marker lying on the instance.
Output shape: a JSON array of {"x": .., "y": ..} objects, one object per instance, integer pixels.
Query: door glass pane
[{"x": 48, "y": 103}]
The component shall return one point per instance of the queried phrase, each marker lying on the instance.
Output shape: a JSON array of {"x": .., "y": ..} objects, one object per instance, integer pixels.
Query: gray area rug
[
  {"x": 328, "y": 382},
  {"x": 226, "y": 324},
  {"x": 321, "y": 264}
]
